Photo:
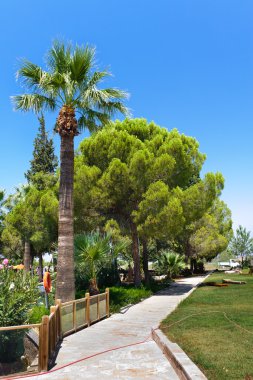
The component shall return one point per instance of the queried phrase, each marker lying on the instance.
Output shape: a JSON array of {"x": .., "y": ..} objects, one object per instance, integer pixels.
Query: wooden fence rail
[{"x": 64, "y": 319}]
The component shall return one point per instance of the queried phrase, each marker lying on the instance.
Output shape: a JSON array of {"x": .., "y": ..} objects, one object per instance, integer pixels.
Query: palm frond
[
  {"x": 93, "y": 96},
  {"x": 81, "y": 63},
  {"x": 70, "y": 80},
  {"x": 93, "y": 120},
  {"x": 33, "y": 102},
  {"x": 52, "y": 83},
  {"x": 115, "y": 93},
  {"x": 92, "y": 247},
  {"x": 59, "y": 57},
  {"x": 30, "y": 74},
  {"x": 112, "y": 107},
  {"x": 97, "y": 77},
  {"x": 97, "y": 97}
]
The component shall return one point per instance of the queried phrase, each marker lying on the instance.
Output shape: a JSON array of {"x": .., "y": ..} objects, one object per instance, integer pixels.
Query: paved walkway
[{"x": 142, "y": 361}]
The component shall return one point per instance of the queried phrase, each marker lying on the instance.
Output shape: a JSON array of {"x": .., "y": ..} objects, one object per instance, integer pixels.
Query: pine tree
[{"x": 44, "y": 159}]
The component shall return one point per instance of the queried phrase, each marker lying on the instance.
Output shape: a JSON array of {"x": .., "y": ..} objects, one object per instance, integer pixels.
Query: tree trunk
[
  {"x": 32, "y": 261},
  {"x": 27, "y": 256},
  {"x": 193, "y": 265},
  {"x": 65, "y": 283},
  {"x": 136, "y": 254},
  {"x": 40, "y": 267},
  {"x": 145, "y": 262}
]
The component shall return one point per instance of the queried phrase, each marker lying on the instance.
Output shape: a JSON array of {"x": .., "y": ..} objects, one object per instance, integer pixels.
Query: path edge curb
[{"x": 182, "y": 364}]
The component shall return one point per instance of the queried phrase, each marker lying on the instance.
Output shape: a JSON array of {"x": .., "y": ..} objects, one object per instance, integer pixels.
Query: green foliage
[
  {"x": 12, "y": 243},
  {"x": 120, "y": 296},
  {"x": 36, "y": 314},
  {"x": 170, "y": 263},
  {"x": 82, "y": 280},
  {"x": 86, "y": 197},
  {"x": 93, "y": 252},
  {"x": 241, "y": 244},
  {"x": 1, "y": 214},
  {"x": 1, "y": 208},
  {"x": 34, "y": 217},
  {"x": 208, "y": 226},
  {"x": 160, "y": 214},
  {"x": 18, "y": 293},
  {"x": 44, "y": 159},
  {"x": 70, "y": 80},
  {"x": 139, "y": 173}
]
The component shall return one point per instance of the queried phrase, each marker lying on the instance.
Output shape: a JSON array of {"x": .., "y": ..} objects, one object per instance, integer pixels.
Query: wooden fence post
[
  {"x": 58, "y": 302},
  {"x": 74, "y": 315},
  {"x": 43, "y": 344},
  {"x": 107, "y": 291},
  {"x": 87, "y": 296},
  {"x": 52, "y": 331},
  {"x": 98, "y": 311}
]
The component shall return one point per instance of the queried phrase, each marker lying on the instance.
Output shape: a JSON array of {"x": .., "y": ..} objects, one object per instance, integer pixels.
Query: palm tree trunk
[
  {"x": 136, "y": 254},
  {"x": 145, "y": 261},
  {"x": 65, "y": 282},
  {"x": 27, "y": 256}
]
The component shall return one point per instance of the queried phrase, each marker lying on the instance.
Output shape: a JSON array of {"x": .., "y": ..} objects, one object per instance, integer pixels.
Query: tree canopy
[
  {"x": 44, "y": 159},
  {"x": 145, "y": 177},
  {"x": 242, "y": 243}
]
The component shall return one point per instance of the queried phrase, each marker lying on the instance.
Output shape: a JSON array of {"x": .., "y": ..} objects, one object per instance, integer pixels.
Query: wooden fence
[{"x": 64, "y": 319}]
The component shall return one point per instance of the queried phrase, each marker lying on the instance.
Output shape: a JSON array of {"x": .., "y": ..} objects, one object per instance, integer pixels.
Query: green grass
[
  {"x": 221, "y": 349},
  {"x": 123, "y": 296}
]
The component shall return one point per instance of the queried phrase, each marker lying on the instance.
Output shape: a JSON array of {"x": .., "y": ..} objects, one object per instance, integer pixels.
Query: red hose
[{"x": 77, "y": 361}]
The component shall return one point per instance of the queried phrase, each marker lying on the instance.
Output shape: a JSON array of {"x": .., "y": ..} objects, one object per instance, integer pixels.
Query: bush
[
  {"x": 170, "y": 263},
  {"x": 121, "y": 296},
  {"x": 81, "y": 279},
  {"x": 36, "y": 314},
  {"x": 18, "y": 293},
  {"x": 108, "y": 276}
]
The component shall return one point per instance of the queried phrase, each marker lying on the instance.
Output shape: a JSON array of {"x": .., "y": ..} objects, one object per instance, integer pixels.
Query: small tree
[
  {"x": 170, "y": 263},
  {"x": 44, "y": 159},
  {"x": 242, "y": 244},
  {"x": 92, "y": 253}
]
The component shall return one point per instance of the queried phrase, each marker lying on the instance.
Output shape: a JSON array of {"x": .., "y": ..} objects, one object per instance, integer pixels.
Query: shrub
[
  {"x": 36, "y": 314},
  {"x": 170, "y": 263},
  {"x": 120, "y": 296},
  {"x": 18, "y": 293}
]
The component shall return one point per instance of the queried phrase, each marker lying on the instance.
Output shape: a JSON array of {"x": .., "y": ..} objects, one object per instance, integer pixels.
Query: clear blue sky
[{"x": 188, "y": 64}]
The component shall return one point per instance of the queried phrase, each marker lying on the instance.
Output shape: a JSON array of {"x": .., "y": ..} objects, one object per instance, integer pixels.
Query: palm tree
[
  {"x": 93, "y": 251},
  {"x": 170, "y": 263},
  {"x": 69, "y": 85}
]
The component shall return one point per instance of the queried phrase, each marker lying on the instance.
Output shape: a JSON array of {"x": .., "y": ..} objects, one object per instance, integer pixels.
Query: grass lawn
[
  {"x": 220, "y": 347},
  {"x": 124, "y": 295}
]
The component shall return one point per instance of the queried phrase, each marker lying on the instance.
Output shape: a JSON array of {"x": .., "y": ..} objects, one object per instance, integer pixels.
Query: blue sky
[{"x": 188, "y": 64}]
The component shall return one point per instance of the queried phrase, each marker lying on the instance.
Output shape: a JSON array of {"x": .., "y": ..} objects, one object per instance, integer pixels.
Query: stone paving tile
[
  {"x": 144, "y": 361},
  {"x": 138, "y": 362}
]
